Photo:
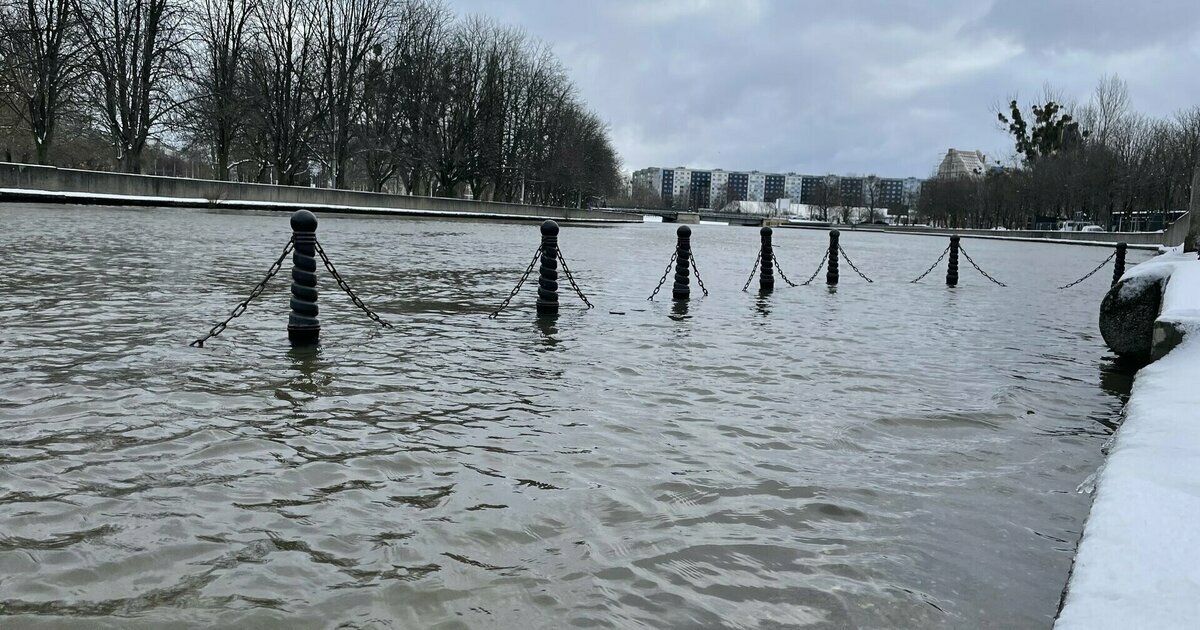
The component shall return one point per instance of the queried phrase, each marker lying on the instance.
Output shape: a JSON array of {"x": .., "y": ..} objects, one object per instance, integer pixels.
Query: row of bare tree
[
  {"x": 1116, "y": 168},
  {"x": 396, "y": 95}
]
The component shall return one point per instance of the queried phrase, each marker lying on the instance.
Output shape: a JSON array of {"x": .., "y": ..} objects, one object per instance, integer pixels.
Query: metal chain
[
  {"x": 517, "y": 289},
  {"x": 663, "y": 279},
  {"x": 752, "y": 271},
  {"x": 241, "y": 307},
  {"x": 851, "y": 263},
  {"x": 1089, "y": 274},
  {"x": 819, "y": 268},
  {"x": 985, "y": 274},
  {"x": 346, "y": 287},
  {"x": 700, "y": 282},
  {"x": 571, "y": 279},
  {"x": 780, "y": 269},
  {"x": 933, "y": 266}
]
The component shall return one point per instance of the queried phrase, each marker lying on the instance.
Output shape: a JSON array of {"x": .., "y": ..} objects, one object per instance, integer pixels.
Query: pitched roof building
[{"x": 962, "y": 164}]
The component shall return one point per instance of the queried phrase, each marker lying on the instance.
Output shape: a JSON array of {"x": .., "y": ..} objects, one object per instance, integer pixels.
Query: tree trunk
[{"x": 1190, "y": 243}]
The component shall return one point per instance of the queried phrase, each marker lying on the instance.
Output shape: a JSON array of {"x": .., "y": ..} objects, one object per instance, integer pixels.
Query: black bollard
[
  {"x": 952, "y": 266},
  {"x": 547, "y": 300},
  {"x": 766, "y": 276},
  {"x": 1119, "y": 265},
  {"x": 831, "y": 275},
  {"x": 683, "y": 262},
  {"x": 303, "y": 327}
]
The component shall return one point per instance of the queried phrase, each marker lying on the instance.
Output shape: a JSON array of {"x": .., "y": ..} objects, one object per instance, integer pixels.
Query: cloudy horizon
[{"x": 863, "y": 88}]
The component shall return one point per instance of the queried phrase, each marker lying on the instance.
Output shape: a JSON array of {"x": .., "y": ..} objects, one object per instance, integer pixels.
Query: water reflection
[
  {"x": 762, "y": 303},
  {"x": 306, "y": 363},
  {"x": 679, "y": 310},
  {"x": 547, "y": 325}
]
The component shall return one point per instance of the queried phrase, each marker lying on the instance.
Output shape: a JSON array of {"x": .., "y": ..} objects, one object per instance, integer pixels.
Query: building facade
[
  {"x": 962, "y": 164},
  {"x": 695, "y": 188}
]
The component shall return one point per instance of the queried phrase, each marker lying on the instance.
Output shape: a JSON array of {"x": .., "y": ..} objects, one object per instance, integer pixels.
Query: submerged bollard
[
  {"x": 831, "y": 275},
  {"x": 683, "y": 262},
  {"x": 547, "y": 300},
  {"x": 766, "y": 276},
  {"x": 952, "y": 266},
  {"x": 303, "y": 327},
  {"x": 1119, "y": 265}
]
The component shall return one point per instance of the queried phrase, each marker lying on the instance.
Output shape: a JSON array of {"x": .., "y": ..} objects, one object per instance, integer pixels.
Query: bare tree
[
  {"x": 136, "y": 58},
  {"x": 218, "y": 109},
  {"x": 283, "y": 89},
  {"x": 349, "y": 31},
  {"x": 41, "y": 63}
]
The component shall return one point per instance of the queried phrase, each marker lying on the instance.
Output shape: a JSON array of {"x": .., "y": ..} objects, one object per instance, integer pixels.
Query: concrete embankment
[
  {"x": 1138, "y": 563},
  {"x": 22, "y": 182},
  {"x": 1136, "y": 240}
]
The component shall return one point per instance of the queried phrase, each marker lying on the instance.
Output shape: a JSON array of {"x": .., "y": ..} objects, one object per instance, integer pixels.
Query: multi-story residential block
[
  {"x": 700, "y": 191},
  {"x": 851, "y": 189},
  {"x": 715, "y": 188},
  {"x": 738, "y": 185},
  {"x": 792, "y": 186},
  {"x": 773, "y": 186}
]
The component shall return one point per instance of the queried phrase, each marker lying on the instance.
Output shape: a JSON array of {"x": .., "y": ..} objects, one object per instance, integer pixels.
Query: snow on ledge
[{"x": 1138, "y": 564}]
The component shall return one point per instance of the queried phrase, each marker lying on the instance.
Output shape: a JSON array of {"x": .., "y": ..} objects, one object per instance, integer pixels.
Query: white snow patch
[
  {"x": 1156, "y": 269},
  {"x": 1138, "y": 565}
]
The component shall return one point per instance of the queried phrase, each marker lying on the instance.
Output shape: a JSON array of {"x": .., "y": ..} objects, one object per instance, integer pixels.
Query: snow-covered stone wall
[{"x": 1138, "y": 564}]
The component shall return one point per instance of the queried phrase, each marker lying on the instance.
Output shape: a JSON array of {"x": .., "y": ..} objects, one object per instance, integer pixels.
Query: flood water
[{"x": 880, "y": 455}]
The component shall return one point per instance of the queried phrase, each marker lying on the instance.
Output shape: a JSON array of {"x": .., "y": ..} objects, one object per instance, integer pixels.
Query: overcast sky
[{"x": 847, "y": 86}]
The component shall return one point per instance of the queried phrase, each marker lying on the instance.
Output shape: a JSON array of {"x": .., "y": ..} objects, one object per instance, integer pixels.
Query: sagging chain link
[
  {"x": 985, "y": 274},
  {"x": 570, "y": 278},
  {"x": 244, "y": 304},
  {"x": 663, "y": 279},
  {"x": 779, "y": 270},
  {"x": 820, "y": 266},
  {"x": 517, "y": 289},
  {"x": 753, "y": 271},
  {"x": 346, "y": 287},
  {"x": 932, "y": 267},
  {"x": 852, "y": 266},
  {"x": 1090, "y": 273},
  {"x": 696, "y": 271}
]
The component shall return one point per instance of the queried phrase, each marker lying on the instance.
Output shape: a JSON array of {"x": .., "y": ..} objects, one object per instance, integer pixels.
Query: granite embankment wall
[
  {"x": 23, "y": 182},
  {"x": 1081, "y": 238}
]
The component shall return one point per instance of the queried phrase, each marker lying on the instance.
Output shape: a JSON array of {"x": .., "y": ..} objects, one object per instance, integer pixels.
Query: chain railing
[
  {"x": 779, "y": 269},
  {"x": 696, "y": 271},
  {"x": 852, "y": 266},
  {"x": 753, "y": 271},
  {"x": 517, "y": 289},
  {"x": 981, "y": 271},
  {"x": 1090, "y": 273},
  {"x": 571, "y": 279},
  {"x": 244, "y": 304},
  {"x": 932, "y": 267},
  {"x": 820, "y": 266},
  {"x": 663, "y": 279},
  {"x": 345, "y": 286}
]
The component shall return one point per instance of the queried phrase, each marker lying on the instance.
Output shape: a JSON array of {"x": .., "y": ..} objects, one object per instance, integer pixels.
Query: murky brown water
[{"x": 886, "y": 455}]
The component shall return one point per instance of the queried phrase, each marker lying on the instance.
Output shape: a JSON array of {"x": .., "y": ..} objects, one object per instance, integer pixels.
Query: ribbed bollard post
[
  {"x": 303, "y": 327},
  {"x": 683, "y": 263},
  {"x": 831, "y": 275},
  {"x": 547, "y": 300},
  {"x": 766, "y": 276},
  {"x": 952, "y": 266},
  {"x": 1119, "y": 265}
]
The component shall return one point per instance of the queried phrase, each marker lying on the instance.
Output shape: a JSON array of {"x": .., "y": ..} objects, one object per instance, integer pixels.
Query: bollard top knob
[
  {"x": 834, "y": 233},
  {"x": 304, "y": 221},
  {"x": 955, "y": 238},
  {"x": 1122, "y": 245},
  {"x": 766, "y": 231},
  {"x": 684, "y": 231},
  {"x": 549, "y": 228}
]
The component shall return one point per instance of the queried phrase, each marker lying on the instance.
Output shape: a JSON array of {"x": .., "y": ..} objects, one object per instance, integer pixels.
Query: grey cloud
[{"x": 846, "y": 87}]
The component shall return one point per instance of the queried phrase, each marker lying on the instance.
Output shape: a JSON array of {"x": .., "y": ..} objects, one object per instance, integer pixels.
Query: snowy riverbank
[{"x": 1138, "y": 564}]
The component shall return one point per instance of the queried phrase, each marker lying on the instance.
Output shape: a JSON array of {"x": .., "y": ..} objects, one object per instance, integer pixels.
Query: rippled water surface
[{"x": 882, "y": 455}]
